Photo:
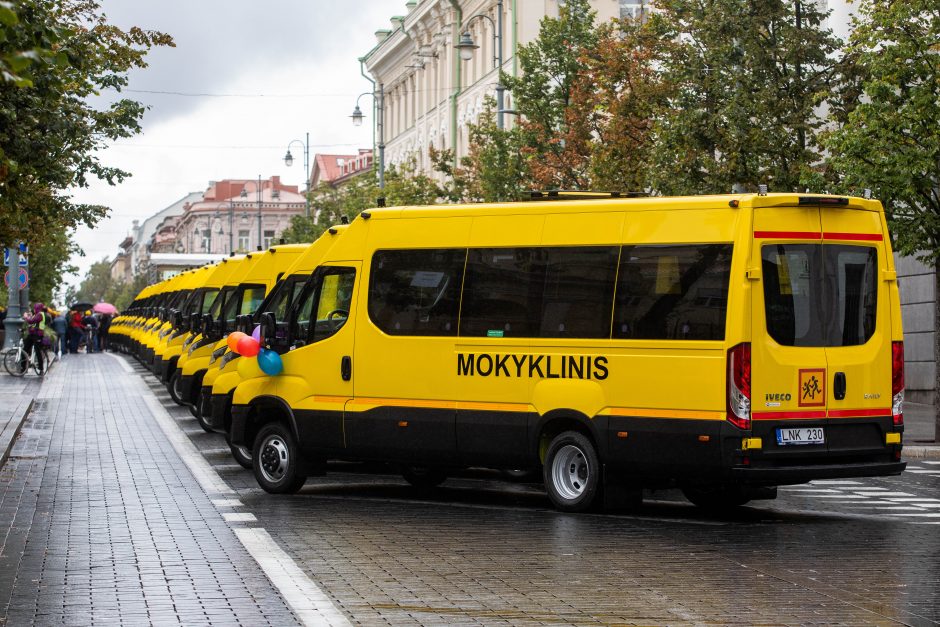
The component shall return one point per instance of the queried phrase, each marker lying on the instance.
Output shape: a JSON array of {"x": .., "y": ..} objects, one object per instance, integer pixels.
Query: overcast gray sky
[{"x": 276, "y": 70}]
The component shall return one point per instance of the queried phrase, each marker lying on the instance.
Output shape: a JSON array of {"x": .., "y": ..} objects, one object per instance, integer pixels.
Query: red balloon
[{"x": 248, "y": 346}]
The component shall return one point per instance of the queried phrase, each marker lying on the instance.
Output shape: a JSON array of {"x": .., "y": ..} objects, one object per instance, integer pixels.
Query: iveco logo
[
  {"x": 872, "y": 396},
  {"x": 778, "y": 397}
]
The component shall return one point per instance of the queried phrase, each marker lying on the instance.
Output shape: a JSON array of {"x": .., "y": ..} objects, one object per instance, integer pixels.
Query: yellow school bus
[{"x": 721, "y": 344}]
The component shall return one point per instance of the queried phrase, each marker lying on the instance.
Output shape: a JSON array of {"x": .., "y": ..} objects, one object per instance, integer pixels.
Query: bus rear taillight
[
  {"x": 897, "y": 382},
  {"x": 739, "y": 385}
]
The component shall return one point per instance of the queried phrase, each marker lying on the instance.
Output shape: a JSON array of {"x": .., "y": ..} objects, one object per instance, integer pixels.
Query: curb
[
  {"x": 8, "y": 437},
  {"x": 921, "y": 452}
]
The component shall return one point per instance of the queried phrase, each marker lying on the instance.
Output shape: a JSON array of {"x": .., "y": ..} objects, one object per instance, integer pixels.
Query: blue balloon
[{"x": 270, "y": 362}]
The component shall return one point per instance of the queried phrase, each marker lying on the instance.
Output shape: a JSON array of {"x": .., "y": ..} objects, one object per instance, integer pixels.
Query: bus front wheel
[
  {"x": 572, "y": 472},
  {"x": 276, "y": 460}
]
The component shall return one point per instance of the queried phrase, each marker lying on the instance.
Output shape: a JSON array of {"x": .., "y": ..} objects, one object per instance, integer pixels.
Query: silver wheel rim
[
  {"x": 274, "y": 458},
  {"x": 570, "y": 472}
]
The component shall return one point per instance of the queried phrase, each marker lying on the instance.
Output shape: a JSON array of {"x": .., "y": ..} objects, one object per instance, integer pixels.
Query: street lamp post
[
  {"x": 466, "y": 46},
  {"x": 289, "y": 160},
  {"x": 231, "y": 222},
  {"x": 244, "y": 194},
  {"x": 378, "y": 129}
]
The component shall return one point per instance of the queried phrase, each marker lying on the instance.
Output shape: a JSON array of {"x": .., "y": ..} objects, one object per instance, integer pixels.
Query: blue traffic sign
[{"x": 24, "y": 260}]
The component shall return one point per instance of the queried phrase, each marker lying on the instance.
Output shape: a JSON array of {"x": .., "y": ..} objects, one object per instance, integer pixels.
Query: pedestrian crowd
[{"x": 71, "y": 331}]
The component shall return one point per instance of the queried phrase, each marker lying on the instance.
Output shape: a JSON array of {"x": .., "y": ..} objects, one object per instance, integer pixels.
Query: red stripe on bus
[
  {"x": 856, "y": 237},
  {"x": 787, "y": 235},
  {"x": 858, "y": 413},
  {"x": 788, "y": 415}
]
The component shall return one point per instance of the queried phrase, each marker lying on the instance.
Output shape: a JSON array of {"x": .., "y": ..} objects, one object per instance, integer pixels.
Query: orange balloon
[{"x": 232, "y": 340}]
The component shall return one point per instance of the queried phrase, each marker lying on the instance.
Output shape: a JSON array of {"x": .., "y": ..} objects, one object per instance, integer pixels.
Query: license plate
[{"x": 806, "y": 435}]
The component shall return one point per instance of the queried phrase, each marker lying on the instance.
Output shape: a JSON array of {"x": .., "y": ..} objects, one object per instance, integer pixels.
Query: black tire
[
  {"x": 717, "y": 497},
  {"x": 241, "y": 453},
  {"x": 276, "y": 460},
  {"x": 424, "y": 477},
  {"x": 173, "y": 386},
  {"x": 572, "y": 472}
]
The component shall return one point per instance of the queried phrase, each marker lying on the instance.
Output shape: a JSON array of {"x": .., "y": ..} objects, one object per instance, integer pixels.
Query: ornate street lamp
[
  {"x": 466, "y": 46},
  {"x": 289, "y": 160}
]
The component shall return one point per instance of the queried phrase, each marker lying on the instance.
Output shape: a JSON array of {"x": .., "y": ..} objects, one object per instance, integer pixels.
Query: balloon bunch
[{"x": 250, "y": 346}]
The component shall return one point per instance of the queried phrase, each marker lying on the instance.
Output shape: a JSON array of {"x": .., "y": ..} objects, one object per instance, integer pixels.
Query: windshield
[
  {"x": 224, "y": 295},
  {"x": 820, "y": 295}
]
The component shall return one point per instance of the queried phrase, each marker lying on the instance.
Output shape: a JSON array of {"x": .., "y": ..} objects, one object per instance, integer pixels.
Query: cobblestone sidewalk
[{"x": 102, "y": 523}]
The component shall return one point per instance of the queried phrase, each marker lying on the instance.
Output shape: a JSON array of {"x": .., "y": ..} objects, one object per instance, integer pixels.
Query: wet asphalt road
[{"x": 482, "y": 550}]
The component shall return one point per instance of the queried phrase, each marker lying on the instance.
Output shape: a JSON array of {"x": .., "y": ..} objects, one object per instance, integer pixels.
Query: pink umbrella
[{"x": 105, "y": 308}]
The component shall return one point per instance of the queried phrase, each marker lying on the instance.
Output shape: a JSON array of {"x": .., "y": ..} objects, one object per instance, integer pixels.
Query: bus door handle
[
  {"x": 838, "y": 386},
  {"x": 345, "y": 368}
]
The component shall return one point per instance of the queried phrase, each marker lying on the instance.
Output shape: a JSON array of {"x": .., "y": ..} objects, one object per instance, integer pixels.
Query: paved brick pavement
[
  {"x": 101, "y": 521},
  {"x": 16, "y": 397}
]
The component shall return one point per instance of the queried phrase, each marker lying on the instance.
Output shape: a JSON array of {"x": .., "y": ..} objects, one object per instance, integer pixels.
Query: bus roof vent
[{"x": 574, "y": 194}]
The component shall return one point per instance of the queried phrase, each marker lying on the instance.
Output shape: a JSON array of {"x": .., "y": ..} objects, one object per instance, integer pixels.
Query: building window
[
  {"x": 243, "y": 240},
  {"x": 268, "y": 239},
  {"x": 632, "y": 9},
  {"x": 206, "y": 239}
]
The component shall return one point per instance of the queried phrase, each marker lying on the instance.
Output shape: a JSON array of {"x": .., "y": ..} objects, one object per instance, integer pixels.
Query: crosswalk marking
[{"x": 876, "y": 500}]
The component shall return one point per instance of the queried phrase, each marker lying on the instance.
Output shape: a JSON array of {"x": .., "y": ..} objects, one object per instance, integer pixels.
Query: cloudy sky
[{"x": 255, "y": 75}]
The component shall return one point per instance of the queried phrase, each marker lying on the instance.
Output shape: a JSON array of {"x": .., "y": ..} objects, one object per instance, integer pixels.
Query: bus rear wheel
[{"x": 572, "y": 472}]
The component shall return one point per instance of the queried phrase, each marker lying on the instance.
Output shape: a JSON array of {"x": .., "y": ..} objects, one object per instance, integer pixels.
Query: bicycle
[{"x": 17, "y": 362}]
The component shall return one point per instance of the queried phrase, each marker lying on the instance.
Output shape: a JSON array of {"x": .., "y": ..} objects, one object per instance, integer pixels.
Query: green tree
[
  {"x": 749, "y": 75},
  {"x": 50, "y": 133},
  {"x": 553, "y": 138},
  {"x": 493, "y": 169},
  {"x": 618, "y": 94},
  {"x": 890, "y": 142}
]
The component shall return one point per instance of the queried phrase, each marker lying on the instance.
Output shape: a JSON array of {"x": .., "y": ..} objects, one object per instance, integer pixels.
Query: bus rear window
[{"x": 820, "y": 294}]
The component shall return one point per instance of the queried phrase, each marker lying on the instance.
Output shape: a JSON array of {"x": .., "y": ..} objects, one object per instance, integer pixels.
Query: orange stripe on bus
[{"x": 645, "y": 412}]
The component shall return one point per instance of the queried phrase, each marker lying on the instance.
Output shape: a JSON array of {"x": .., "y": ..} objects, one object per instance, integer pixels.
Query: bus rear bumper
[{"x": 784, "y": 475}]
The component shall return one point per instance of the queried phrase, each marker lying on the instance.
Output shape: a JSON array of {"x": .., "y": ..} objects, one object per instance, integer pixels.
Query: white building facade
[{"x": 430, "y": 95}]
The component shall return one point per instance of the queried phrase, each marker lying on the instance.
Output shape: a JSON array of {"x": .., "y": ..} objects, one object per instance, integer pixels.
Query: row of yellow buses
[{"x": 723, "y": 345}]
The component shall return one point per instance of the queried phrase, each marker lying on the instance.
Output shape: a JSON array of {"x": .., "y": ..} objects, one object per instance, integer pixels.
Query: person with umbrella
[
  {"x": 76, "y": 328},
  {"x": 104, "y": 311}
]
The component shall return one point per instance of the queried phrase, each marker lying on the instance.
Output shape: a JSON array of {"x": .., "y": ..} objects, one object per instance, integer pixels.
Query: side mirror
[
  {"x": 177, "y": 318},
  {"x": 268, "y": 328},
  {"x": 243, "y": 323},
  {"x": 208, "y": 325}
]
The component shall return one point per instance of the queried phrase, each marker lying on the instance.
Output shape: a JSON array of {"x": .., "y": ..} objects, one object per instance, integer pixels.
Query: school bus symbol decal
[{"x": 813, "y": 387}]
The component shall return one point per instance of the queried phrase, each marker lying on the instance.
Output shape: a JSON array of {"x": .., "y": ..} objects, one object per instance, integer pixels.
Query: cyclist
[{"x": 35, "y": 324}]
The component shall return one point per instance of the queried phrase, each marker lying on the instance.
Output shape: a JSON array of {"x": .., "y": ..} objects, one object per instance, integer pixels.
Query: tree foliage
[
  {"x": 890, "y": 141},
  {"x": 749, "y": 76},
  {"x": 552, "y": 137},
  {"x": 98, "y": 286},
  {"x": 54, "y": 56}
]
